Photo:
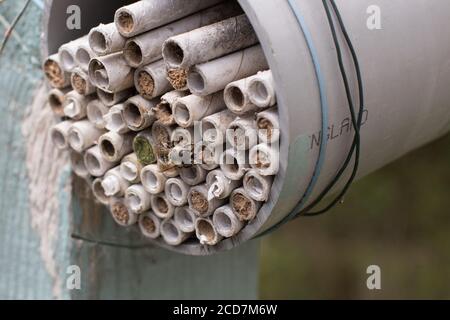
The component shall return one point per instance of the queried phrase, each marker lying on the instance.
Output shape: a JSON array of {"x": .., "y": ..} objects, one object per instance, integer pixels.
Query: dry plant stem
[
  {"x": 112, "y": 98},
  {"x": 56, "y": 98},
  {"x": 115, "y": 146},
  {"x": 83, "y": 56},
  {"x": 153, "y": 179},
  {"x": 234, "y": 164},
  {"x": 114, "y": 184},
  {"x": 193, "y": 108},
  {"x": 121, "y": 214},
  {"x": 56, "y": 76},
  {"x": 243, "y": 206},
  {"x": 185, "y": 219},
  {"x": 219, "y": 186},
  {"x": 214, "y": 127},
  {"x": 95, "y": 163},
  {"x": 111, "y": 73},
  {"x": 83, "y": 135},
  {"x": 206, "y": 232},
  {"x": 209, "y": 77},
  {"x": 143, "y": 16},
  {"x": 150, "y": 225},
  {"x": 114, "y": 121},
  {"x": 81, "y": 83},
  {"x": 237, "y": 98},
  {"x": 75, "y": 105},
  {"x": 99, "y": 192},
  {"x": 265, "y": 159},
  {"x": 150, "y": 80},
  {"x": 226, "y": 222},
  {"x": 268, "y": 125},
  {"x": 209, "y": 42},
  {"x": 67, "y": 53},
  {"x": 257, "y": 186},
  {"x": 176, "y": 191},
  {"x": 105, "y": 39},
  {"x": 130, "y": 168},
  {"x": 172, "y": 234},
  {"x": 144, "y": 147},
  {"x": 137, "y": 199},
  {"x": 96, "y": 110},
  {"x": 242, "y": 133},
  {"x": 161, "y": 206},
  {"x": 60, "y": 134},
  {"x": 193, "y": 175},
  {"x": 261, "y": 90},
  {"x": 199, "y": 203},
  {"x": 138, "y": 113}
]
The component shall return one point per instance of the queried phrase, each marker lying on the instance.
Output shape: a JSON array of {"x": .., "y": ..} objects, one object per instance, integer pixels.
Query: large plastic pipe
[{"x": 406, "y": 74}]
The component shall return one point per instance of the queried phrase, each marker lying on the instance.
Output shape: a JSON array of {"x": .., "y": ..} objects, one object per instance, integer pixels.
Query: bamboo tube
[
  {"x": 114, "y": 184},
  {"x": 114, "y": 120},
  {"x": 243, "y": 206},
  {"x": 193, "y": 175},
  {"x": 187, "y": 110},
  {"x": 237, "y": 98},
  {"x": 111, "y": 73},
  {"x": 138, "y": 113},
  {"x": 206, "y": 232},
  {"x": 265, "y": 159},
  {"x": 150, "y": 80},
  {"x": 150, "y": 225},
  {"x": 176, "y": 191},
  {"x": 75, "y": 105},
  {"x": 219, "y": 186},
  {"x": 234, "y": 164},
  {"x": 209, "y": 42},
  {"x": 163, "y": 111},
  {"x": 95, "y": 163},
  {"x": 130, "y": 168},
  {"x": 67, "y": 53},
  {"x": 59, "y": 134},
  {"x": 112, "y": 98},
  {"x": 213, "y": 76},
  {"x": 199, "y": 203},
  {"x": 172, "y": 234},
  {"x": 142, "y": 16},
  {"x": 226, "y": 222},
  {"x": 99, "y": 192},
  {"x": 83, "y": 56},
  {"x": 161, "y": 206},
  {"x": 257, "y": 186},
  {"x": 268, "y": 125},
  {"x": 242, "y": 133},
  {"x": 56, "y": 76},
  {"x": 153, "y": 180},
  {"x": 144, "y": 147},
  {"x": 83, "y": 135},
  {"x": 261, "y": 90},
  {"x": 137, "y": 199},
  {"x": 185, "y": 219},
  {"x": 96, "y": 110},
  {"x": 78, "y": 166},
  {"x": 121, "y": 214},
  {"x": 56, "y": 98},
  {"x": 114, "y": 146},
  {"x": 105, "y": 39},
  {"x": 81, "y": 83},
  {"x": 214, "y": 127}
]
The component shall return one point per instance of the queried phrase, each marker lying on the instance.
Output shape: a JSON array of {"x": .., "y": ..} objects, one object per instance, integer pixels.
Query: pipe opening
[
  {"x": 133, "y": 53},
  {"x": 71, "y": 108},
  {"x": 98, "y": 191},
  {"x": 263, "y": 160},
  {"x": 170, "y": 232},
  {"x": 54, "y": 73},
  {"x": 177, "y": 78},
  {"x": 56, "y": 103},
  {"x": 223, "y": 222},
  {"x": 236, "y": 96},
  {"x": 259, "y": 92},
  {"x": 135, "y": 202},
  {"x": 266, "y": 126},
  {"x": 95, "y": 114},
  {"x": 161, "y": 205},
  {"x": 78, "y": 83},
  {"x": 78, "y": 165},
  {"x": 132, "y": 114},
  {"x": 108, "y": 148},
  {"x": 146, "y": 84},
  {"x": 190, "y": 173},
  {"x": 196, "y": 81},
  {"x": 125, "y": 21},
  {"x": 242, "y": 205},
  {"x": 210, "y": 131},
  {"x": 231, "y": 163},
  {"x": 116, "y": 122},
  {"x": 150, "y": 179},
  {"x": 205, "y": 231},
  {"x": 181, "y": 113},
  {"x": 101, "y": 78},
  {"x": 173, "y": 53},
  {"x": 67, "y": 60},
  {"x": 144, "y": 150},
  {"x": 76, "y": 139},
  {"x": 148, "y": 224},
  {"x": 199, "y": 202},
  {"x": 255, "y": 186},
  {"x": 184, "y": 218},
  {"x": 97, "y": 41},
  {"x": 106, "y": 97},
  {"x": 176, "y": 192}
]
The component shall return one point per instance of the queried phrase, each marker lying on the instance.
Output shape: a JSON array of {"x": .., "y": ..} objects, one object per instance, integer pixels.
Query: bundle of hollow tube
[{"x": 170, "y": 114}]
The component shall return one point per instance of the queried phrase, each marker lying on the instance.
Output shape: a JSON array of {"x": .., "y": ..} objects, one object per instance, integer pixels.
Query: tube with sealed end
[
  {"x": 214, "y": 127},
  {"x": 209, "y": 42},
  {"x": 75, "y": 105},
  {"x": 67, "y": 53},
  {"x": 206, "y": 232},
  {"x": 199, "y": 203},
  {"x": 163, "y": 111},
  {"x": 59, "y": 134},
  {"x": 219, "y": 186},
  {"x": 83, "y": 56},
  {"x": 243, "y": 206},
  {"x": 257, "y": 186},
  {"x": 81, "y": 82},
  {"x": 130, "y": 168},
  {"x": 56, "y": 76},
  {"x": 172, "y": 234},
  {"x": 83, "y": 135},
  {"x": 138, "y": 113},
  {"x": 111, "y": 73},
  {"x": 78, "y": 166},
  {"x": 121, "y": 214},
  {"x": 226, "y": 222},
  {"x": 144, "y": 147},
  {"x": 161, "y": 206},
  {"x": 234, "y": 164},
  {"x": 268, "y": 125},
  {"x": 215, "y": 75},
  {"x": 177, "y": 78},
  {"x": 96, "y": 110},
  {"x": 261, "y": 89},
  {"x": 193, "y": 175},
  {"x": 114, "y": 121},
  {"x": 237, "y": 98},
  {"x": 150, "y": 225},
  {"x": 147, "y": 47},
  {"x": 151, "y": 81},
  {"x": 142, "y": 16},
  {"x": 265, "y": 159},
  {"x": 162, "y": 135},
  {"x": 137, "y": 199},
  {"x": 95, "y": 163},
  {"x": 56, "y": 98},
  {"x": 177, "y": 192},
  {"x": 185, "y": 219},
  {"x": 153, "y": 180},
  {"x": 112, "y": 98},
  {"x": 99, "y": 192},
  {"x": 187, "y": 110},
  {"x": 114, "y": 184},
  {"x": 114, "y": 146},
  {"x": 242, "y": 133},
  {"x": 105, "y": 39}
]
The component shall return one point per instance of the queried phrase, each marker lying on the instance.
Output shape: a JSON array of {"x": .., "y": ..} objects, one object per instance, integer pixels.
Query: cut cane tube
[
  {"x": 226, "y": 222},
  {"x": 130, "y": 168},
  {"x": 105, "y": 39},
  {"x": 172, "y": 234},
  {"x": 176, "y": 191},
  {"x": 206, "y": 232},
  {"x": 95, "y": 163},
  {"x": 199, "y": 203},
  {"x": 138, "y": 113},
  {"x": 243, "y": 206},
  {"x": 137, "y": 199},
  {"x": 151, "y": 81},
  {"x": 153, "y": 180},
  {"x": 83, "y": 135},
  {"x": 219, "y": 186},
  {"x": 257, "y": 186},
  {"x": 81, "y": 83},
  {"x": 161, "y": 206},
  {"x": 185, "y": 219},
  {"x": 121, "y": 214},
  {"x": 150, "y": 225},
  {"x": 111, "y": 73}
]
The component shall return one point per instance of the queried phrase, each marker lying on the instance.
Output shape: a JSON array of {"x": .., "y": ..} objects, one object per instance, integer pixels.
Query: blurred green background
[{"x": 397, "y": 218}]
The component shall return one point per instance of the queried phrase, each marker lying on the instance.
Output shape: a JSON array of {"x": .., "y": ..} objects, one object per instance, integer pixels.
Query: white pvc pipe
[
  {"x": 114, "y": 146},
  {"x": 95, "y": 163},
  {"x": 130, "y": 168},
  {"x": 56, "y": 98},
  {"x": 193, "y": 175},
  {"x": 185, "y": 219},
  {"x": 138, "y": 113},
  {"x": 172, "y": 234},
  {"x": 146, "y": 15},
  {"x": 226, "y": 222},
  {"x": 151, "y": 80},
  {"x": 111, "y": 73},
  {"x": 59, "y": 134},
  {"x": 242, "y": 133},
  {"x": 67, "y": 53},
  {"x": 83, "y": 135},
  {"x": 176, "y": 191},
  {"x": 265, "y": 159},
  {"x": 121, "y": 214},
  {"x": 114, "y": 120},
  {"x": 153, "y": 180},
  {"x": 161, "y": 206},
  {"x": 105, "y": 39},
  {"x": 243, "y": 206},
  {"x": 96, "y": 110},
  {"x": 81, "y": 83},
  {"x": 112, "y": 98},
  {"x": 206, "y": 232},
  {"x": 215, "y": 75},
  {"x": 114, "y": 184},
  {"x": 150, "y": 225},
  {"x": 258, "y": 187},
  {"x": 137, "y": 199},
  {"x": 219, "y": 186},
  {"x": 209, "y": 42},
  {"x": 199, "y": 203},
  {"x": 75, "y": 105},
  {"x": 261, "y": 89},
  {"x": 268, "y": 124},
  {"x": 234, "y": 164},
  {"x": 214, "y": 127}
]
